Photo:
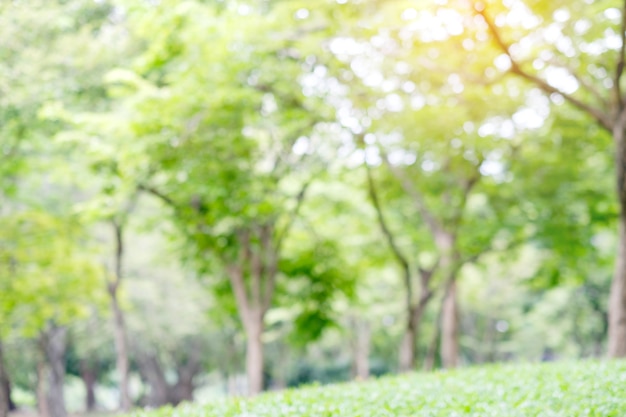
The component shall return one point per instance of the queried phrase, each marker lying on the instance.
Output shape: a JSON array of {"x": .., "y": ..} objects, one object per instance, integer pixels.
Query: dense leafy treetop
[{"x": 47, "y": 275}]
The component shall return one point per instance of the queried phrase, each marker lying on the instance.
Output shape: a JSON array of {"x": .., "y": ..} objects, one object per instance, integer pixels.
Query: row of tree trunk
[
  {"x": 447, "y": 266},
  {"x": 163, "y": 392},
  {"x": 53, "y": 346},
  {"x": 51, "y": 377}
]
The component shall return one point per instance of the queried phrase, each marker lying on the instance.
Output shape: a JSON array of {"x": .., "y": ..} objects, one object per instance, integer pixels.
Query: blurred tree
[
  {"x": 47, "y": 282},
  {"x": 81, "y": 30},
  {"x": 413, "y": 115},
  {"x": 90, "y": 356},
  {"x": 173, "y": 342},
  {"x": 265, "y": 128},
  {"x": 5, "y": 388},
  {"x": 573, "y": 53},
  {"x": 249, "y": 131}
]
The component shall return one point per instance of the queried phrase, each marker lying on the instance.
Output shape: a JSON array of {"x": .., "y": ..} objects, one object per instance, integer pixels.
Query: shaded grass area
[{"x": 588, "y": 388}]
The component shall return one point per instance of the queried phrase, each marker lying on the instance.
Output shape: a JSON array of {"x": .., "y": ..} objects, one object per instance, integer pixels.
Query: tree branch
[
  {"x": 118, "y": 234},
  {"x": 151, "y": 190},
  {"x": 467, "y": 189},
  {"x": 620, "y": 63},
  {"x": 418, "y": 200},
  {"x": 585, "y": 83},
  {"x": 294, "y": 214},
  {"x": 283, "y": 154},
  {"x": 270, "y": 260},
  {"x": 516, "y": 68},
  {"x": 390, "y": 237},
  {"x": 426, "y": 274},
  {"x": 236, "y": 275},
  {"x": 256, "y": 273}
]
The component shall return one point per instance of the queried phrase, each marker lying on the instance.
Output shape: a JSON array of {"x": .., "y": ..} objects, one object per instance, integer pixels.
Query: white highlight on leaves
[
  {"x": 409, "y": 14},
  {"x": 560, "y": 78},
  {"x": 502, "y": 62},
  {"x": 582, "y": 26},
  {"x": 561, "y": 15},
  {"x": 301, "y": 146},
  {"x": 302, "y": 14},
  {"x": 528, "y": 118},
  {"x": 613, "y": 14}
]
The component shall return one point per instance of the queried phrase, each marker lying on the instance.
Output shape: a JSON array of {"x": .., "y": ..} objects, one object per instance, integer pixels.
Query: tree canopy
[{"x": 255, "y": 194}]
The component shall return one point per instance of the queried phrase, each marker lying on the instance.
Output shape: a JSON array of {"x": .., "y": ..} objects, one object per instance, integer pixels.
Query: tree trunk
[
  {"x": 4, "y": 404},
  {"x": 5, "y": 396},
  {"x": 362, "y": 349},
  {"x": 42, "y": 401},
  {"x": 161, "y": 392},
  {"x": 183, "y": 391},
  {"x": 152, "y": 374},
  {"x": 89, "y": 374},
  {"x": 252, "y": 278},
  {"x": 617, "y": 299},
  {"x": 408, "y": 347},
  {"x": 6, "y": 400},
  {"x": 119, "y": 327},
  {"x": 186, "y": 372},
  {"x": 450, "y": 328},
  {"x": 254, "y": 354},
  {"x": 54, "y": 345},
  {"x": 431, "y": 355},
  {"x": 121, "y": 352},
  {"x": 8, "y": 393}
]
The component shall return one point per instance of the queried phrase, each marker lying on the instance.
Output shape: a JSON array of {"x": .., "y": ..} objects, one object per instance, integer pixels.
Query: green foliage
[
  {"x": 567, "y": 390},
  {"x": 323, "y": 278},
  {"x": 46, "y": 275},
  {"x": 224, "y": 110},
  {"x": 26, "y": 55}
]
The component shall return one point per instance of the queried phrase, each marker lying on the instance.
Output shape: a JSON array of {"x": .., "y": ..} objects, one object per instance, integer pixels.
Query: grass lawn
[{"x": 588, "y": 388}]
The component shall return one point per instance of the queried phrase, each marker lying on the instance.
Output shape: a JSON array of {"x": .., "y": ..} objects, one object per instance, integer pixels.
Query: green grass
[{"x": 560, "y": 389}]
